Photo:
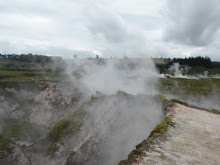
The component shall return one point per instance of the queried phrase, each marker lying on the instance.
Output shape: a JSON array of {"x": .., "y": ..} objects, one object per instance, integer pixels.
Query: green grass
[
  {"x": 22, "y": 130},
  {"x": 5, "y": 146},
  {"x": 200, "y": 70},
  {"x": 65, "y": 127},
  {"x": 29, "y": 76},
  {"x": 185, "y": 87},
  {"x": 179, "y": 102},
  {"x": 15, "y": 64},
  {"x": 59, "y": 130},
  {"x": 70, "y": 155},
  {"x": 145, "y": 145},
  {"x": 162, "y": 126}
]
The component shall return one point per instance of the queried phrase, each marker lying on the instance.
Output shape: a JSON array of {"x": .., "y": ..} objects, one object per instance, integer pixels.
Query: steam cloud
[
  {"x": 178, "y": 71},
  {"x": 125, "y": 112},
  {"x": 108, "y": 76},
  {"x": 211, "y": 101}
]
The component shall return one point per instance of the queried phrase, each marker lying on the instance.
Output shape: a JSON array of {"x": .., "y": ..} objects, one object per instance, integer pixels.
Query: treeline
[
  {"x": 27, "y": 62},
  {"x": 27, "y": 58},
  {"x": 199, "y": 61},
  {"x": 194, "y": 61}
]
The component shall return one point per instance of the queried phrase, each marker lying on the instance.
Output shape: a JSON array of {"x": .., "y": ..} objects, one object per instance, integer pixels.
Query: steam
[
  {"x": 132, "y": 76},
  {"x": 209, "y": 102},
  {"x": 119, "y": 122},
  {"x": 208, "y": 99},
  {"x": 124, "y": 110},
  {"x": 178, "y": 71}
]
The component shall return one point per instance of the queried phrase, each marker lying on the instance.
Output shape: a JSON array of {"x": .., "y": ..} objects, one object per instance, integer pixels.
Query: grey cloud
[
  {"x": 106, "y": 25},
  {"x": 115, "y": 36},
  {"x": 85, "y": 28},
  {"x": 6, "y": 47},
  {"x": 192, "y": 22}
]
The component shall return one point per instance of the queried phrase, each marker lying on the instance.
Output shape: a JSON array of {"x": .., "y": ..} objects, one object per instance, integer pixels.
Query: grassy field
[
  {"x": 201, "y": 70},
  {"x": 15, "y": 64},
  {"x": 184, "y": 87},
  {"x": 21, "y": 130},
  {"x": 28, "y": 76},
  {"x": 168, "y": 85}
]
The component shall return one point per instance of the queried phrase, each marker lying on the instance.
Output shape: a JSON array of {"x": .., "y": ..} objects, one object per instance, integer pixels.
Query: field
[
  {"x": 177, "y": 86},
  {"x": 28, "y": 76},
  {"x": 185, "y": 87}
]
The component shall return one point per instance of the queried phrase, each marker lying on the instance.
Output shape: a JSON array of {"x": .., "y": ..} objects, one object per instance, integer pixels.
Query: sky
[{"x": 116, "y": 28}]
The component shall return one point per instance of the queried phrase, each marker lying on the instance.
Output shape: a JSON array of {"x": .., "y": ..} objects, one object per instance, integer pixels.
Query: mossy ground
[
  {"x": 5, "y": 146},
  {"x": 65, "y": 127},
  {"x": 162, "y": 126},
  {"x": 22, "y": 130}
]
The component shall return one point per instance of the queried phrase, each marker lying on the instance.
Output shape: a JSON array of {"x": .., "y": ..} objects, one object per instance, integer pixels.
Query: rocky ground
[{"x": 194, "y": 139}]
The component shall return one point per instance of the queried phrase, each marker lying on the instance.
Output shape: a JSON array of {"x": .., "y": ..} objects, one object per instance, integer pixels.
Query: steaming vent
[{"x": 123, "y": 109}]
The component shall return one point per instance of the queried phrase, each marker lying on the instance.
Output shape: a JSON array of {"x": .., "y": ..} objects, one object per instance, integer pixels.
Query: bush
[{"x": 59, "y": 130}]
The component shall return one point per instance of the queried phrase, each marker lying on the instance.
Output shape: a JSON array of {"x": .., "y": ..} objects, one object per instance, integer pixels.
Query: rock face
[
  {"x": 78, "y": 130},
  {"x": 195, "y": 139},
  {"x": 26, "y": 110},
  {"x": 42, "y": 103}
]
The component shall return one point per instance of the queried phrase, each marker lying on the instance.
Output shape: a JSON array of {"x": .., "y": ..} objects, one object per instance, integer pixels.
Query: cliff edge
[{"x": 192, "y": 138}]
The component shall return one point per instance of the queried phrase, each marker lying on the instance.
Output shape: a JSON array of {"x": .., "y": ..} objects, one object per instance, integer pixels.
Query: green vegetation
[
  {"x": 70, "y": 155},
  {"x": 22, "y": 130},
  {"x": 29, "y": 76},
  {"x": 197, "y": 65},
  {"x": 65, "y": 127},
  {"x": 200, "y": 70},
  {"x": 144, "y": 146},
  {"x": 184, "y": 103},
  {"x": 5, "y": 146},
  {"x": 193, "y": 61},
  {"x": 213, "y": 111},
  {"x": 29, "y": 61},
  {"x": 52, "y": 148},
  {"x": 166, "y": 101},
  {"x": 59, "y": 130},
  {"x": 184, "y": 87},
  {"x": 162, "y": 126},
  {"x": 179, "y": 102}
]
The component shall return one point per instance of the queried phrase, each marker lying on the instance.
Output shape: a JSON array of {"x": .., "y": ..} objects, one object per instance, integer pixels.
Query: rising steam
[{"x": 124, "y": 111}]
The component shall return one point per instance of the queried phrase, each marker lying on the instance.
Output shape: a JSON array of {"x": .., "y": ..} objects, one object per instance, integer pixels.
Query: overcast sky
[{"x": 117, "y": 28}]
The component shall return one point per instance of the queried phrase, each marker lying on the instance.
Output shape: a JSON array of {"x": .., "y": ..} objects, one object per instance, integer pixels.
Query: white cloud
[
  {"x": 110, "y": 28},
  {"x": 193, "y": 22}
]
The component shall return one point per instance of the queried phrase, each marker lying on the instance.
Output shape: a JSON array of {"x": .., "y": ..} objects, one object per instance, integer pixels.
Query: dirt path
[{"x": 195, "y": 140}]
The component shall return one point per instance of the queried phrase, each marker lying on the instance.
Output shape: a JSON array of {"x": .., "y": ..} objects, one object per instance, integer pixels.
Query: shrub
[
  {"x": 5, "y": 146},
  {"x": 59, "y": 130},
  {"x": 162, "y": 126}
]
